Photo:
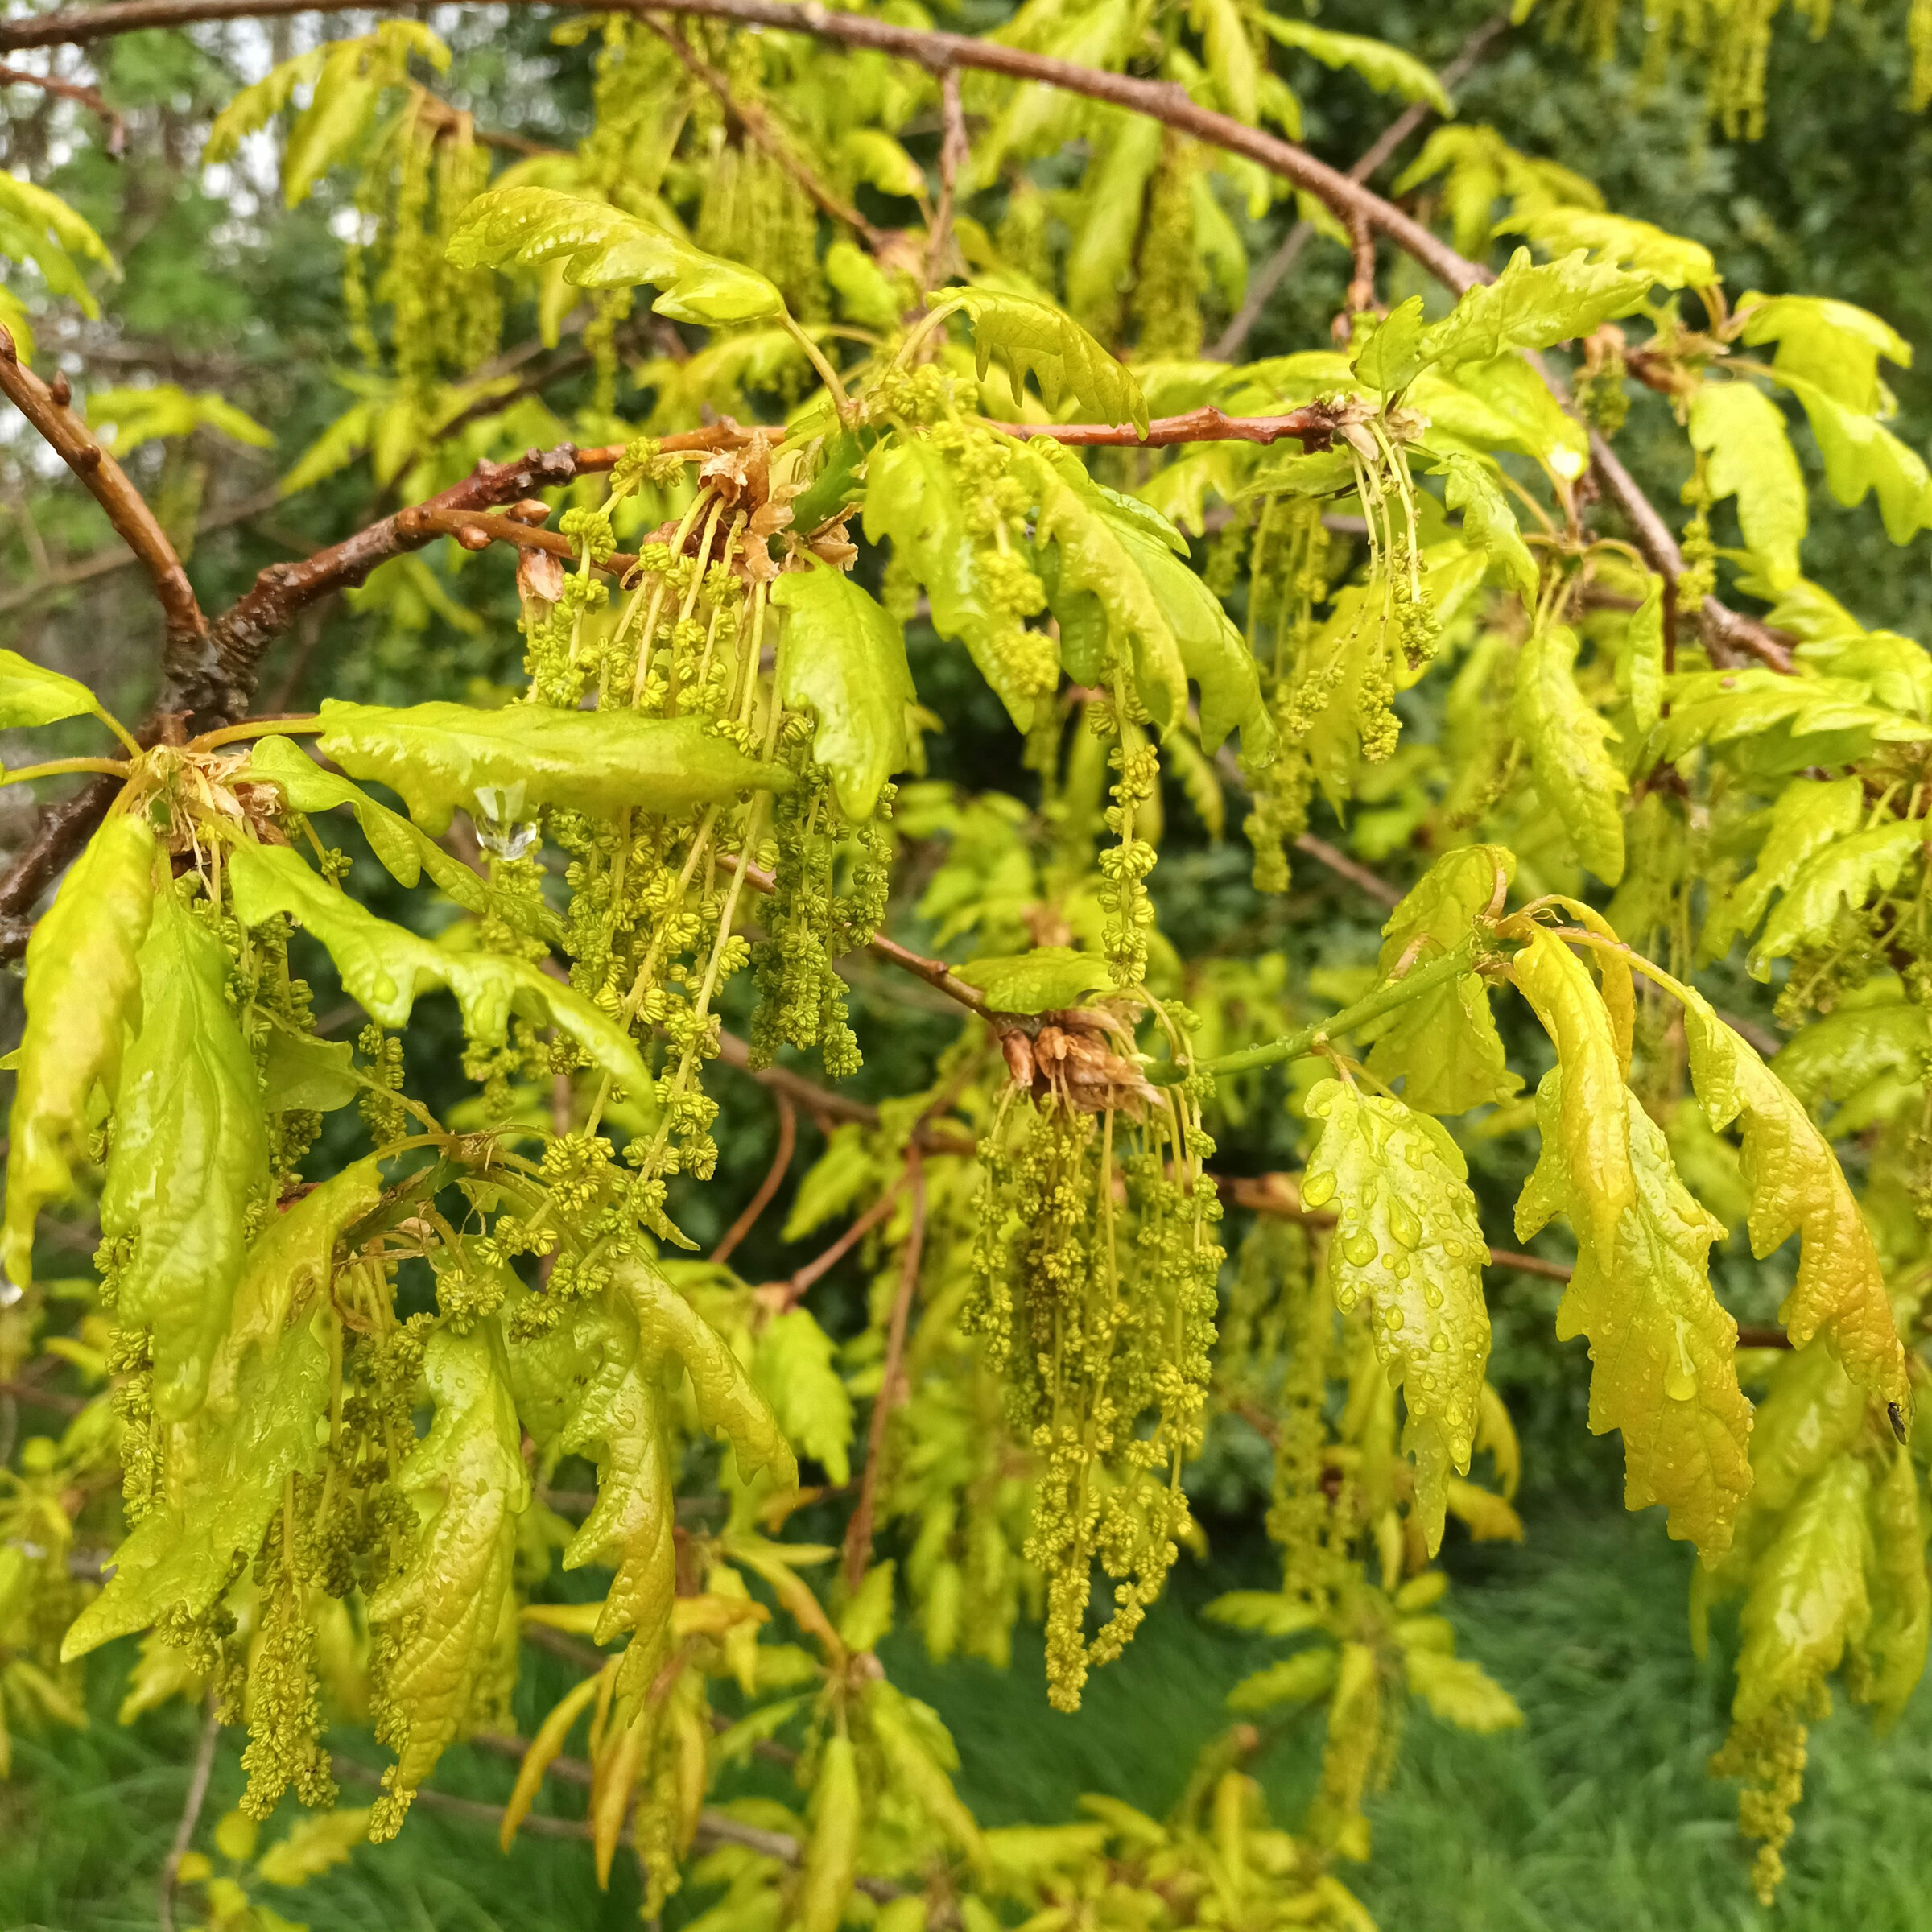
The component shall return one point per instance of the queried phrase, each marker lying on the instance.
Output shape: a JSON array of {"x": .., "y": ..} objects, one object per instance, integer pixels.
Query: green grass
[{"x": 1596, "y": 1817}]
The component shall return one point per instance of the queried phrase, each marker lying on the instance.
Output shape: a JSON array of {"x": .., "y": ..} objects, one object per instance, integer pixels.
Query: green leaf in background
[
  {"x": 1578, "y": 779},
  {"x": 503, "y": 764},
  {"x": 843, "y": 658},
  {"x": 1616, "y": 241},
  {"x": 1388, "y": 69},
  {"x": 1845, "y": 873},
  {"x": 1809, "y": 816},
  {"x": 602, "y": 247},
  {"x": 1743, "y": 432},
  {"x": 37, "y": 226},
  {"x": 83, "y": 993},
  {"x": 1048, "y": 978},
  {"x": 135, "y": 416},
  {"x": 188, "y": 1160},
  {"x": 1861, "y": 455},
  {"x": 383, "y": 966},
  {"x": 1034, "y": 338}
]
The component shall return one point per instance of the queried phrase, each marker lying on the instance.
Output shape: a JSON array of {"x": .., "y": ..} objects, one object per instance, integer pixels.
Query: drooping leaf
[
  {"x": 1808, "y": 1597},
  {"x": 728, "y": 1402},
  {"x": 603, "y": 247},
  {"x": 406, "y": 851},
  {"x": 1742, "y": 432},
  {"x": 832, "y": 1845},
  {"x": 1798, "y": 1187},
  {"x": 615, "y": 1417},
  {"x": 1810, "y": 1413},
  {"x": 1591, "y": 1114},
  {"x": 843, "y": 658},
  {"x": 505, "y": 764},
  {"x": 189, "y": 1156},
  {"x": 32, "y": 696},
  {"x": 1846, "y": 873},
  {"x": 1099, "y": 264},
  {"x": 1488, "y": 520},
  {"x": 439, "y": 1618},
  {"x": 1834, "y": 345},
  {"x": 1046, "y": 979},
  {"x": 383, "y": 966},
  {"x": 912, "y": 497},
  {"x": 1532, "y": 306},
  {"x": 83, "y": 992},
  {"x": 1861, "y": 454},
  {"x": 1034, "y": 338},
  {"x": 1640, "y": 663},
  {"x": 1409, "y": 1239},
  {"x": 1577, "y": 778},
  {"x": 1388, "y": 69},
  {"x": 1662, "y": 1348},
  {"x": 1443, "y": 1044},
  {"x": 1893, "y": 1649}
]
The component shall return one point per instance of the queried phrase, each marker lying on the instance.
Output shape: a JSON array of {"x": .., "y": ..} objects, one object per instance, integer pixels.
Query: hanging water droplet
[
  {"x": 1359, "y": 1249},
  {"x": 1393, "y": 1318},
  {"x": 1680, "y": 1380},
  {"x": 1318, "y": 1187},
  {"x": 1440, "y": 1345},
  {"x": 1403, "y": 1223},
  {"x": 11, "y": 1291},
  {"x": 502, "y": 829}
]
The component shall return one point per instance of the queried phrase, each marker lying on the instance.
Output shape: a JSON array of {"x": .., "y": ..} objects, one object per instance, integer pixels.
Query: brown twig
[
  {"x": 821, "y": 1103},
  {"x": 955, "y": 150},
  {"x": 774, "y": 1180},
  {"x": 72, "y": 90},
  {"x": 892, "y": 1390},
  {"x": 191, "y": 1816},
  {"x": 756, "y": 127},
  {"x": 191, "y": 678},
  {"x": 1314, "y": 422},
  {"x": 797, "y": 1285},
  {"x": 1338, "y": 862}
]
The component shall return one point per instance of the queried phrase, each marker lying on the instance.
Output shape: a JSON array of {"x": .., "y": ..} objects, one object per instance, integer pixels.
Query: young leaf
[
  {"x": 189, "y": 1156},
  {"x": 1668, "y": 260},
  {"x": 1388, "y": 69},
  {"x": 83, "y": 992},
  {"x": 1862, "y": 455},
  {"x": 1640, "y": 663},
  {"x": 1533, "y": 307},
  {"x": 1743, "y": 432},
  {"x": 31, "y": 696},
  {"x": 1811, "y": 1413},
  {"x": 36, "y": 225},
  {"x": 1488, "y": 520},
  {"x": 727, "y": 1401},
  {"x": 503, "y": 764},
  {"x": 913, "y": 496},
  {"x": 1590, "y": 1118},
  {"x": 1846, "y": 872},
  {"x": 1034, "y": 338},
  {"x": 1833, "y": 345},
  {"x": 809, "y": 1398},
  {"x": 843, "y": 658},
  {"x": 1443, "y": 1044},
  {"x": 1808, "y": 1598},
  {"x": 1798, "y": 1187},
  {"x": 406, "y": 851},
  {"x": 1720, "y": 706},
  {"x": 1661, "y": 1346},
  {"x": 1047, "y": 980},
  {"x": 617, "y": 1418},
  {"x": 383, "y": 967},
  {"x": 1408, "y": 1238},
  {"x": 1459, "y": 1691},
  {"x": 165, "y": 409},
  {"x": 228, "y": 1469},
  {"x": 1578, "y": 778},
  {"x": 438, "y": 1618},
  {"x": 1390, "y": 358},
  {"x": 1893, "y": 1651},
  {"x": 602, "y": 247}
]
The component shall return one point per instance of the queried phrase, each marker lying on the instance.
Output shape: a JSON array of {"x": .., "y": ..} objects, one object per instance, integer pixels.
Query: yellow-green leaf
[
  {"x": 602, "y": 247},
  {"x": 1530, "y": 306},
  {"x": 843, "y": 658},
  {"x": 1893, "y": 1657},
  {"x": 30, "y": 695},
  {"x": 1034, "y": 338},
  {"x": 1409, "y": 1239},
  {"x": 82, "y": 993},
  {"x": 1662, "y": 1349},
  {"x": 503, "y": 764},
  {"x": 1046, "y": 979},
  {"x": 1809, "y": 817},
  {"x": 189, "y": 1156},
  {"x": 1577, "y": 778},
  {"x": 1742, "y": 432}
]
